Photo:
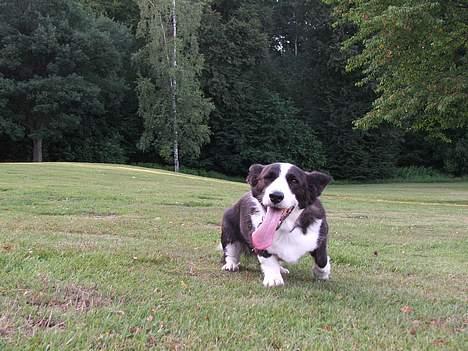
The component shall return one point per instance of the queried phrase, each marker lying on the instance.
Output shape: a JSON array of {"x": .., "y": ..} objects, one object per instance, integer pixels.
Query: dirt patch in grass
[
  {"x": 69, "y": 297},
  {"x": 7, "y": 247},
  {"x": 213, "y": 225},
  {"x": 50, "y": 301},
  {"x": 151, "y": 341},
  {"x": 101, "y": 216},
  {"x": 33, "y": 323},
  {"x": 173, "y": 343},
  {"x": 209, "y": 197},
  {"x": 7, "y": 327},
  {"x": 30, "y": 325},
  {"x": 189, "y": 204},
  {"x": 109, "y": 217}
]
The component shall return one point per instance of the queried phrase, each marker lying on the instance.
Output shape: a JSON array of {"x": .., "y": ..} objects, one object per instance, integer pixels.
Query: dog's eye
[{"x": 293, "y": 180}]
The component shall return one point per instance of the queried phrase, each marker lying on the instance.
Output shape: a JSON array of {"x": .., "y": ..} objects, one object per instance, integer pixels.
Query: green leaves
[
  {"x": 157, "y": 75},
  {"x": 415, "y": 51},
  {"x": 59, "y": 66}
]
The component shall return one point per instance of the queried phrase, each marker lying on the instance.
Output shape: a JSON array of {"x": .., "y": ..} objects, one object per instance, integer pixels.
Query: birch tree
[{"x": 171, "y": 103}]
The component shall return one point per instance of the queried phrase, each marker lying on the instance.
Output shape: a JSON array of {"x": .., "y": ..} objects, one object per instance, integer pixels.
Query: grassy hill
[{"x": 110, "y": 257}]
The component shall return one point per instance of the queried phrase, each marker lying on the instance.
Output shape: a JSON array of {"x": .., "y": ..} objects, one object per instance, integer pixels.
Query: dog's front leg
[
  {"x": 271, "y": 271},
  {"x": 232, "y": 253},
  {"x": 322, "y": 273},
  {"x": 322, "y": 266}
]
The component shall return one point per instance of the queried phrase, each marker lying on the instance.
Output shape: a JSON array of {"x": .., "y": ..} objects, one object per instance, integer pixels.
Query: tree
[
  {"x": 124, "y": 11},
  {"x": 309, "y": 69},
  {"x": 415, "y": 53},
  {"x": 171, "y": 103},
  {"x": 252, "y": 122},
  {"x": 58, "y": 65}
]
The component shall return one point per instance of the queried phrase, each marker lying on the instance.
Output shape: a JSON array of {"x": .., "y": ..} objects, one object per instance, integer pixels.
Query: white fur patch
[
  {"x": 271, "y": 271},
  {"x": 283, "y": 270},
  {"x": 322, "y": 273},
  {"x": 257, "y": 217},
  {"x": 232, "y": 257},
  {"x": 291, "y": 244},
  {"x": 280, "y": 184}
]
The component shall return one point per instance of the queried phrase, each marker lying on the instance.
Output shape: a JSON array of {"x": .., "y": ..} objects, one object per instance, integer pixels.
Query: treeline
[{"x": 258, "y": 81}]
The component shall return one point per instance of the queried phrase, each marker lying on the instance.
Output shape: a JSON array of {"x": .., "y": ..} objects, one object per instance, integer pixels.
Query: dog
[{"x": 280, "y": 219}]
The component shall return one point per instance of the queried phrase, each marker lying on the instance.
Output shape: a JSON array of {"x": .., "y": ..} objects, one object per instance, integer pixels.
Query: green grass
[
  {"x": 103, "y": 257},
  {"x": 193, "y": 171}
]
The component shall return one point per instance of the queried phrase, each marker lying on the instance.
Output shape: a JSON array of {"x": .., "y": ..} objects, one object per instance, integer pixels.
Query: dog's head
[
  {"x": 281, "y": 188},
  {"x": 285, "y": 186}
]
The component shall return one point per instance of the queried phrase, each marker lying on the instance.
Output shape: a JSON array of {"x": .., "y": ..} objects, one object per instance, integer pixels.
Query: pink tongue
[{"x": 263, "y": 236}]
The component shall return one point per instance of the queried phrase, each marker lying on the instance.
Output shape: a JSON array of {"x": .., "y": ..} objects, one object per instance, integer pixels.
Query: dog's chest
[{"x": 291, "y": 244}]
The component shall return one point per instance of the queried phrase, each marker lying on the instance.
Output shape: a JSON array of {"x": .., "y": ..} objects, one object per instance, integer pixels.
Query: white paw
[
  {"x": 284, "y": 270},
  {"x": 322, "y": 273},
  {"x": 231, "y": 267},
  {"x": 273, "y": 280}
]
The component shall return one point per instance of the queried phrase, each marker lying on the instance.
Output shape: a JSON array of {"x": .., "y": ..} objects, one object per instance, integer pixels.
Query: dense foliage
[
  {"x": 124, "y": 11},
  {"x": 259, "y": 81},
  {"x": 60, "y": 78},
  {"x": 252, "y": 120},
  {"x": 416, "y": 53}
]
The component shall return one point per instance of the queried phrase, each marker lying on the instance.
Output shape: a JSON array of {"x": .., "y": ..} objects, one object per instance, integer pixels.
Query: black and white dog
[{"x": 280, "y": 219}]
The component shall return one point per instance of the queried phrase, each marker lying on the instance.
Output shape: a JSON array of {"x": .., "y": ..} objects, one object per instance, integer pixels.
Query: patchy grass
[{"x": 124, "y": 258}]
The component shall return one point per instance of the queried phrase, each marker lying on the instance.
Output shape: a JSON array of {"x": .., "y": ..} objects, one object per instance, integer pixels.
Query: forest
[{"x": 359, "y": 89}]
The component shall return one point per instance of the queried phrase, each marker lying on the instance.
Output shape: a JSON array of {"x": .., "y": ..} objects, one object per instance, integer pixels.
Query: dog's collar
[
  {"x": 263, "y": 253},
  {"x": 284, "y": 216}
]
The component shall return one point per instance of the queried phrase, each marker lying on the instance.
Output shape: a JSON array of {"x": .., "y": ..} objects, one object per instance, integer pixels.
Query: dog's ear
[
  {"x": 317, "y": 181},
  {"x": 254, "y": 172}
]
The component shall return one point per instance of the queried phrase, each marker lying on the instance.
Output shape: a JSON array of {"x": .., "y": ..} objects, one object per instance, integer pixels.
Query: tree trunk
[
  {"x": 176, "y": 133},
  {"x": 174, "y": 88},
  {"x": 37, "y": 150},
  {"x": 295, "y": 35}
]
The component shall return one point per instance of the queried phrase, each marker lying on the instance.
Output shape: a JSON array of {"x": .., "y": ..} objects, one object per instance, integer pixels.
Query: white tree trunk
[
  {"x": 37, "y": 150},
  {"x": 295, "y": 33},
  {"x": 174, "y": 88}
]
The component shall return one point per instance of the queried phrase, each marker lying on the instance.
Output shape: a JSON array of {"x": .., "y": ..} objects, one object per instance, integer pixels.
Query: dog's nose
[{"x": 276, "y": 197}]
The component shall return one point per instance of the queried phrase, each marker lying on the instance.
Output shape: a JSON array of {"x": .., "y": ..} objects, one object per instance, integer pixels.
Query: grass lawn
[{"x": 106, "y": 257}]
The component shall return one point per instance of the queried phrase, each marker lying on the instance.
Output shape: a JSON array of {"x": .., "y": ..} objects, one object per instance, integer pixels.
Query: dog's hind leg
[{"x": 232, "y": 247}]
